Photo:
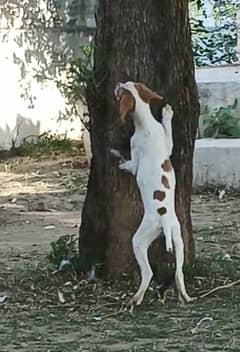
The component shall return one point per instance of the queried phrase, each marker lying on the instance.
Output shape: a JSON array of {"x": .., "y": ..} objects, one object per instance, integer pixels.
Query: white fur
[{"x": 151, "y": 145}]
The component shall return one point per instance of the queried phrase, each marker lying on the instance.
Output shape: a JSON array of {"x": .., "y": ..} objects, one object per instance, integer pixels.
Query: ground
[{"x": 49, "y": 310}]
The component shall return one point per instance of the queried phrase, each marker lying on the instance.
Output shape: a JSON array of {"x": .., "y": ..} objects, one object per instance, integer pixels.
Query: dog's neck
[{"x": 143, "y": 118}]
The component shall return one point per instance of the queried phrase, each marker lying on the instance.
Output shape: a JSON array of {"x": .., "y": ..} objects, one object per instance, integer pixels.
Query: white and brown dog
[{"x": 151, "y": 147}]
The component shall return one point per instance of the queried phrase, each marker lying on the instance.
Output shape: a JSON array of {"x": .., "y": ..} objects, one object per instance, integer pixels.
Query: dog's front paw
[
  {"x": 115, "y": 153},
  {"x": 126, "y": 166},
  {"x": 167, "y": 112}
]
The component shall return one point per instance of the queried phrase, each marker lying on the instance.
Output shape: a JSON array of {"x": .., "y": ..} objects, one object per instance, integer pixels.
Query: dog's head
[{"x": 132, "y": 97}]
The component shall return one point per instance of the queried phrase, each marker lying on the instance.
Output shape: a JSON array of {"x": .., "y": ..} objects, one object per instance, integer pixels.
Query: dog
[{"x": 151, "y": 147}]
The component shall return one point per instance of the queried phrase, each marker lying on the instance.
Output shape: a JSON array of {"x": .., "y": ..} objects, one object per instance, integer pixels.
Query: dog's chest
[{"x": 142, "y": 142}]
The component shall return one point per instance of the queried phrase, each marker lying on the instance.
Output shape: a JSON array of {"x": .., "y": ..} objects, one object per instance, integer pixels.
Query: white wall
[
  {"x": 37, "y": 37},
  {"x": 217, "y": 162},
  {"x": 218, "y": 86}
]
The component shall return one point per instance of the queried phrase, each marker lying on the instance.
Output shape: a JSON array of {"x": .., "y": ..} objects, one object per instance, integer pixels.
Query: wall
[
  {"x": 216, "y": 162},
  {"x": 219, "y": 86},
  {"x": 37, "y": 37}
]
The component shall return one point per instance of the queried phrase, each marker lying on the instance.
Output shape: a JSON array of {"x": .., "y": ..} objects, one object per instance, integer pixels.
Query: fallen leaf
[
  {"x": 63, "y": 263},
  {"x": 49, "y": 227},
  {"x": 3, "y": 299},
  {"x": 61, "y": 297},
  {"x": 221, "y": 194}
]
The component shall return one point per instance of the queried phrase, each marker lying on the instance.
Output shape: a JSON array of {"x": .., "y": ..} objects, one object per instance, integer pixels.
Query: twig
[
  {"x": 121, "y": 310},
  {"x": 194, "y": 330},
  {"x": 231, "y": 284},
  {"x": 107, "y": 304}
]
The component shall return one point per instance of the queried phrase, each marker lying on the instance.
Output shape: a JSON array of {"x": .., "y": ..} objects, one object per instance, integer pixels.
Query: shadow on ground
[{"x": 50, "y": 311}]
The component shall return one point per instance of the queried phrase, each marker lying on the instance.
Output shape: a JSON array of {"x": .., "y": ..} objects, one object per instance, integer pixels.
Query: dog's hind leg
[
  {"x": 144, "y": 236},
  {"x": 179, "y": 249}
]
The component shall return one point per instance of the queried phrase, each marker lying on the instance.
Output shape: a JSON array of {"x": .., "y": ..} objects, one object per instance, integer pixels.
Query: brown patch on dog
[
  {"x": 126, "y": 104},
  {"x": 162, "y": 211},
  {"x": 160, "y": 195},
  {"x": 165, "y": 182},
  {"x": 167, "y": 165},
  {"x": 146, "y": 94}
]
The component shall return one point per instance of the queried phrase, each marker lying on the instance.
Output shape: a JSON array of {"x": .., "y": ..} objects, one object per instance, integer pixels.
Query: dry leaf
[
  {"x": 3, "y": 299},
  {"x": 61, "y": 297}
]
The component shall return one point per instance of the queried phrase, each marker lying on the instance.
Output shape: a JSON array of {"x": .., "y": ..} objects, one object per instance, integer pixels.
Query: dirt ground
[
  {"x": 38, "y": 204},
  {"x": 47, "y": 312}
]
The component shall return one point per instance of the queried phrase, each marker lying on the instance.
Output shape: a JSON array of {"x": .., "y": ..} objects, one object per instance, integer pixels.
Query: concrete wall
[
  {"x": 37, "y": 37},
  {"x": 218, "y": 86},
  {"x": 217, "y": 163}
]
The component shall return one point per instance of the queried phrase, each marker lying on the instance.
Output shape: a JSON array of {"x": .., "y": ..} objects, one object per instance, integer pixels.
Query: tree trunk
[{"x": 146, "y": 41}]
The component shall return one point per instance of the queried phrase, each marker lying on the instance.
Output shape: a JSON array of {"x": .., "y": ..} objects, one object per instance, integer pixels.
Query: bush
[
  {"x": 214, "y": 31},
  {"x": 46, "y": 144},
  {"x": 222, "y": 122}
]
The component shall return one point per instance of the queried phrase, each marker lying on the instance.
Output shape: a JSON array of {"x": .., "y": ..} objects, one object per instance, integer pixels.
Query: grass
[
  {"x": 74, "y": 183},
  {"x": 49, "y": 145}
]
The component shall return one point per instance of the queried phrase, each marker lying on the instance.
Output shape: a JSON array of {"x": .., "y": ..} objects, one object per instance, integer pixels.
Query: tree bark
[{"x": 146, "y": 41}]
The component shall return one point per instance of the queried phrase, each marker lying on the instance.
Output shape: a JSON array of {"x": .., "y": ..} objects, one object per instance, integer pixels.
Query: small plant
[
  {"x": 78, "y": 78},
  {"x": 222, "y": 123},
  {"x": 78, "y": 74},
  {"x": 46, "y": 144},
  {"x": 64, "y": 254},
  {"x": 63, "y": 249}
]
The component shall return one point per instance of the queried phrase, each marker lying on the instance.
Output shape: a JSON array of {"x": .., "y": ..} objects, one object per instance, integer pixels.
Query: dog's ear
[
  {"x": 126, "y": 105},
  {"x": 155, "y": 101},
  {"x": 146, "y": 94}
]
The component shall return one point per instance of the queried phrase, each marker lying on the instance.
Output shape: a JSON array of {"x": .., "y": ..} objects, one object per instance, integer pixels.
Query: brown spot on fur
[
  {"x": 167, "y": 165},
  {"x": 160, "y": 195},
  {"x": 146, "y": 94},
  {"x": 165, "y": 182},
  {"x": 126, "y": 104},
  {"x": 162, "y": 211}
]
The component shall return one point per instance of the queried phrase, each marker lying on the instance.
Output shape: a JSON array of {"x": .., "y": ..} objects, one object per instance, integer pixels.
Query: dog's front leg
[
  {"x": 167, "y": 115},
  {"x": 132, "y": 165},
  {"x": 117, "y": 155},
  {"x": 125, "y": 165}
]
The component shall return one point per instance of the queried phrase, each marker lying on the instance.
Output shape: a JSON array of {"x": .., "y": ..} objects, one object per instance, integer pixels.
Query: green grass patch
[{"x": 48, "y": 145}]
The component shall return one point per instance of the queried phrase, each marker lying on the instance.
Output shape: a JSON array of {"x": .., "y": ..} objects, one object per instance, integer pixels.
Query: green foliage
[
  {"x": 214, "y": 35},
  {"x": 79, "y": 78},
  {"x": 75, "y": 183},
  {"x": 222, "y": 122},
  {"x": 79, "y": 74},
  {"x": 63, "y": 249},
  {"x": 47, "y": 144}
]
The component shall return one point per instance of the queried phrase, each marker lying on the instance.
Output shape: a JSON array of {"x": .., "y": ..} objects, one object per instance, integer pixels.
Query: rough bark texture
[{"x": 147, "y": 41}]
